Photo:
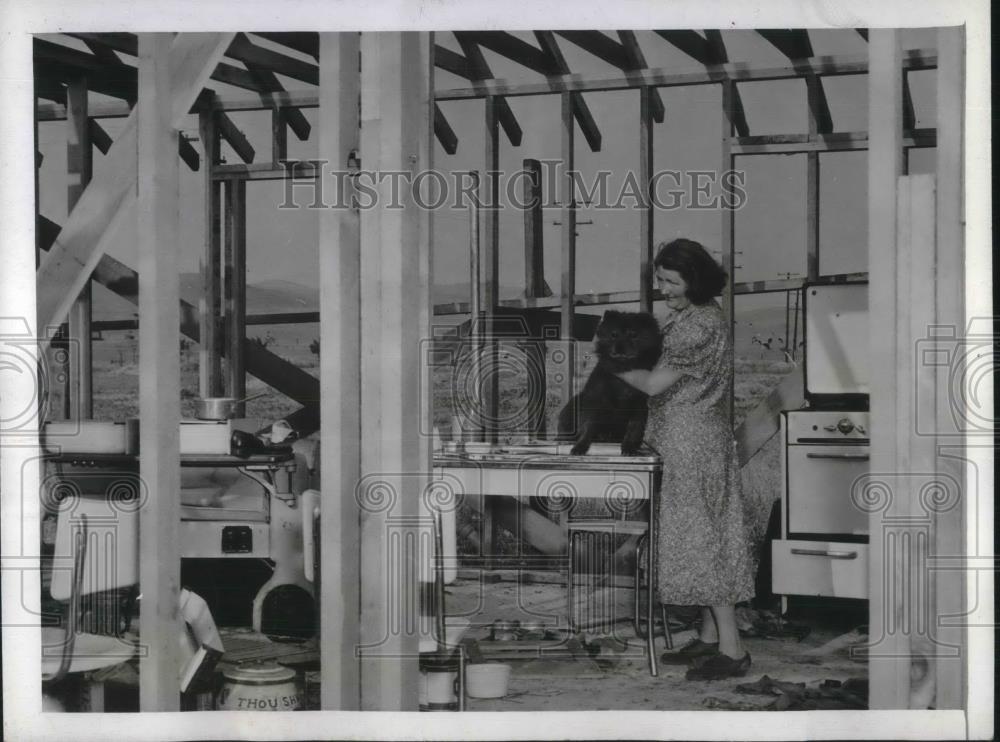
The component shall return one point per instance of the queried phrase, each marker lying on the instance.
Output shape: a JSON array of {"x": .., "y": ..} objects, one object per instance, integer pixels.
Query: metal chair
[
  {"x": 597, "y": 531},
  {"x": 67, "y": 649}
]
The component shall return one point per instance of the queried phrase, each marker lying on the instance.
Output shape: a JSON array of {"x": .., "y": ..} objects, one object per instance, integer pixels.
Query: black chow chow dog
[{"x": 608, "y": 409}]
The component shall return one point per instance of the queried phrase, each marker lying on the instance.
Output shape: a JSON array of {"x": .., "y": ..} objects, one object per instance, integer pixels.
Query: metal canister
[{"x": 263, "y": 686}]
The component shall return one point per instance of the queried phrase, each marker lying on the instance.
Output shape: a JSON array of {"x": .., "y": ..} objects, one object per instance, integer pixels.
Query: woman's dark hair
[{"x": 704, "y": 277}]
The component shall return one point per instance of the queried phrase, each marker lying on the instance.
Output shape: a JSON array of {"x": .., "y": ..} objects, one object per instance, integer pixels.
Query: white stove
[{"x": 823, "y": 550}]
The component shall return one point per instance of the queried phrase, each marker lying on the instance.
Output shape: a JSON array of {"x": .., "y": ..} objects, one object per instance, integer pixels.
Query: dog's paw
[{"x": 580, "y": 448}]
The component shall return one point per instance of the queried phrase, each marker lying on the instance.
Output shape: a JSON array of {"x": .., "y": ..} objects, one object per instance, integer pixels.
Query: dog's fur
[{"x": 608, "y": 409}]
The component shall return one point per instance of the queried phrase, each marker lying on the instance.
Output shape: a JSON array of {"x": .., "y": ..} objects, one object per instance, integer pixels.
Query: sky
[{"x": 770, "y": 228}]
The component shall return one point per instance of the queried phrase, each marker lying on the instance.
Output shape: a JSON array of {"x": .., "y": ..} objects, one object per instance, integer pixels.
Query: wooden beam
[
  {"x": 249, "y": 53},
  {"x": 719, "y": 56},
  {"x": 637, "y": 61},
  {"x": 534, "y": 237},
  {"x": 795, "y": 44},
  {"x": 269, "y": 83},
  {"x": 491, "y": 272},
  {"x": 159, "y": 377},
  {"x": 581, "y": 111},
  {"x": 481, "y": 70},
  {"x": 666, "y": 77},
  {"x": 234, "y": 137},
  {"x": 691, "y": 43},
  {"x": 120, "y": 83},
  {"x": 951, "y": 597},
  {"x": 909, "y": 116},
  {"x": 728, "y": 232},
  {"x": 889, "y": 679},
  {"x": 235, "y": 286},
  {"x": 340, "y": 376},
  {"x": 646, "y": 213},
  {"x": 812, "y": 195},
  {"x": 98, "y": 137},
  {"x": 188, "y": 153},
  {"x": 396, "y": 131},
  {"x": 80, "y": 164},
  {"x": 508, "y": 45},
  {"x": 568, "y": 252},
  {"x": 600, "y": 45},
  {"x": 306, "y": 42},
  {"x": 452, "y": 62},
  {"x": 443, "y": 131},
  {"x": 210, "y": 303},
  {"x": 111, "y": 194}
]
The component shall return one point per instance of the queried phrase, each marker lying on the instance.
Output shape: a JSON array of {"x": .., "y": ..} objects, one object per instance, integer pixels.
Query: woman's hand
[{"x": 652, "y": 382}]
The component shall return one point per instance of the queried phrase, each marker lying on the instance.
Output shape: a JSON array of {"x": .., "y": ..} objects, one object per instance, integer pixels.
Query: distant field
[{"x": 116, "y": 393}]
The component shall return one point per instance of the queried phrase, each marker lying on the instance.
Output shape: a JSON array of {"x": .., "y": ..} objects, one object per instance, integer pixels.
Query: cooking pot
[{"x": 220, "y": 408}]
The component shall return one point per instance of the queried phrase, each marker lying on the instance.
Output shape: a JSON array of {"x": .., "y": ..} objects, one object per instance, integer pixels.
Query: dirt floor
[{"x": 614, "y": 674}]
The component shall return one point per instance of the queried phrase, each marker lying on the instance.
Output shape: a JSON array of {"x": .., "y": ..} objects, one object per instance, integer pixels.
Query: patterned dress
[{"x": 704, "y": 555}]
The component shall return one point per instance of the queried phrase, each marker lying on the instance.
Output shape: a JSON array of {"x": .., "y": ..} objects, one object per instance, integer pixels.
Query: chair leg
[{"x": 666, "y": 626}]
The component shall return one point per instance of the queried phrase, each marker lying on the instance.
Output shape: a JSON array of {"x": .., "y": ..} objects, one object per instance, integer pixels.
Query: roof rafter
[
  {"x": 250, "y": 54},
  {"x": 508, "y": 45},
  {"x": 581, "y": 112},
  {"x": 691, "y": 43},
  {"x": 637, "y": 61},
  {"x": 443, "y": 131},
  {"x": 795, "y": 44},
  {"x": 718, "y": 55},
  {"x": 452, "y": 62},
  {"x": 600, "y": 45},
  {"x": 236, "y": 139},
  {"x": 481, "y": 70},
  {"x": 305, "y": 42}
]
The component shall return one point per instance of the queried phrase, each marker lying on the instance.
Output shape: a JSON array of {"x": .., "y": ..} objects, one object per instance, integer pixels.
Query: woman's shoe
[
  {"x": 719, "y": 667},
  {"x": 692, "y": 650}
]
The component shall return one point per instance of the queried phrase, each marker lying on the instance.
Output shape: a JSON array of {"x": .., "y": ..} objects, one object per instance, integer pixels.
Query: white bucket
[{"x": 487, "y": 680}]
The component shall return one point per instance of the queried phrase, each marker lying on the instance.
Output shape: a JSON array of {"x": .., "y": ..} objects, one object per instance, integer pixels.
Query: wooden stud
[
  {"x": 397, "y": 110},
  {"x": 949, "y": 286},
  {"x": 888, "y": 678},
  {"x": 340, "y": 378},
  {"x": 79, "y": 161},
  {"x": 210, "y": 305},
  {"x": 235, "y": 283},
  {"x": 159, "y": 377},
  {"x": 535, "y": 286},
  {"x": 728, "y": 163},
  {"x": 646, "y": 213},
  {"x": 491, "y": 269},
  {"x": 568, "y": 252},
  {"x": 813, "y": 90}
]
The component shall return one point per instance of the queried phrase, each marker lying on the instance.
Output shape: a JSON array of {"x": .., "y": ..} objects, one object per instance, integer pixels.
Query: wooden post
[
  {"x": 889, "y": 678},
  {"x": 534, "y": 287},
  {"x": 159, "y": 377},
  {"x": 210, "y": 307},
  {"x": 813, "y": 93},
  {"x": 397, "y": 110},
  {"x": 949, "y": 261},
  {"x": 490, "y": 379},
  {"x": 568, "y": 295},
  {"x": 235, "y": 287},
  {"x": 728, "y": 162},
  {"x": 279, "y": 138},
  {"x": 340, "y": 380},
  {"x": 646, "y": 212},
  {"x": 79, "y": 161}
]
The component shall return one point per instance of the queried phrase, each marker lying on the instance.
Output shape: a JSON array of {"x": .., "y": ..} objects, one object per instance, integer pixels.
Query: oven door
[{"x": 820, "y": 479}]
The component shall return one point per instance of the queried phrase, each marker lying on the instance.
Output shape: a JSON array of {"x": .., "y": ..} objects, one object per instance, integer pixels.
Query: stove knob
[
  {"x": 845, "y": 426},
  {"x": 861, "y": 429}
]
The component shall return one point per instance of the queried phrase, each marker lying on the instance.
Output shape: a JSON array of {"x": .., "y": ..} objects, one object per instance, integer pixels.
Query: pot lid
[{"x": 263, "y": 672}]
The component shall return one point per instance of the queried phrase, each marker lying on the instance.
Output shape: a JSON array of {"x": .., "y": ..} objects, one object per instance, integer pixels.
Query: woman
[{"x": 703, "y": 549}]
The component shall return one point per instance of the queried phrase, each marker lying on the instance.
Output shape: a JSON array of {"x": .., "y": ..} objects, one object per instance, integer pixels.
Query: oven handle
[
  {"x": 825, "y": 553},
  {"x": 839, "y": 456}
]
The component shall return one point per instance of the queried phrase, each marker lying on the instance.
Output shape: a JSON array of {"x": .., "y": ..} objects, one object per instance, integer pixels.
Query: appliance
[{"x": 823, "y": 549}]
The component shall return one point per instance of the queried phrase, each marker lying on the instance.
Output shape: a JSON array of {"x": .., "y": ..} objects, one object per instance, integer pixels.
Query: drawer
[{"x": 821, "y": 568}]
